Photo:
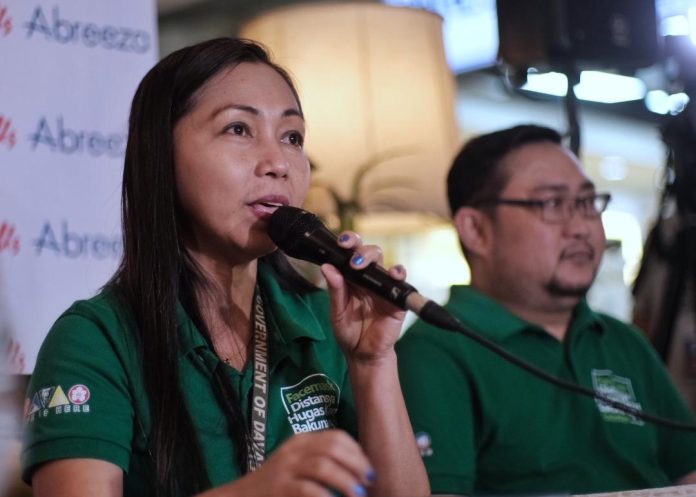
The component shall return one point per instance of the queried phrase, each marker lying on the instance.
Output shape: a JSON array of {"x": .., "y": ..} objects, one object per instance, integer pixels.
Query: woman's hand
[
  {"x": 366, "y": 326},
  {"x": 317, "y": 464}
]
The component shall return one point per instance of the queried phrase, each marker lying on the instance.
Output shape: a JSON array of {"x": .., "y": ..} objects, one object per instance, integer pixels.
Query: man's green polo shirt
[
  {"x": 486, "y": 426},
  {"x": 87, "y": 399}
]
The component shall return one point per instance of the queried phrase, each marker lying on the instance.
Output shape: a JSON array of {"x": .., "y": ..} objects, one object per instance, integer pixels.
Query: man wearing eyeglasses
[{"x": 529, "y": 223}]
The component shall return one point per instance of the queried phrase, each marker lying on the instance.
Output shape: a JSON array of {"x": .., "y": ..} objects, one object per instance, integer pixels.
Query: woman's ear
[{"x": 473, "y": 227}]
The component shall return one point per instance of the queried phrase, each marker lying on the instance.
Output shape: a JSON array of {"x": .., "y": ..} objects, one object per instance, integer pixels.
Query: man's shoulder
[
  {"x": 421, "y": 330},
  {"x": 621, "y": 334},
  {"x": 421, "y": 339}
]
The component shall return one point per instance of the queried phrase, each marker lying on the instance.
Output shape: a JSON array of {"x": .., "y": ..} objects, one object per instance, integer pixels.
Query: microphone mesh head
[{"x": 288, "y": 225}]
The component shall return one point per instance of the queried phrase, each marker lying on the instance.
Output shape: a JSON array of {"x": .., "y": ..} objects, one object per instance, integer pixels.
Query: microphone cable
[{"x": 451, "y": 323}]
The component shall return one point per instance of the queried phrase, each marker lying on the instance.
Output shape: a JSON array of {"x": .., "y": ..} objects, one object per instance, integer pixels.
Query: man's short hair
[{"x": 476, "y": 173}]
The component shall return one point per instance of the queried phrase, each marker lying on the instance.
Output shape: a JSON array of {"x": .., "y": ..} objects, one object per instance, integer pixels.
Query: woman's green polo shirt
[
  {"x": 86, "y": 397},
  {"x": 486, "y": 426}
]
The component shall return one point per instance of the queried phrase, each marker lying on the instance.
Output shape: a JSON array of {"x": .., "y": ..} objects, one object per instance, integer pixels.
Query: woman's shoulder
[
  {"x": 104, "y": 309},
  {"x": 94, "y": 320}
]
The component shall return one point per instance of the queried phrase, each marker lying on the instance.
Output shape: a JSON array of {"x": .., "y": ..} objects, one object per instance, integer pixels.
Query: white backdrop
[{"x": 68, "y": 71}]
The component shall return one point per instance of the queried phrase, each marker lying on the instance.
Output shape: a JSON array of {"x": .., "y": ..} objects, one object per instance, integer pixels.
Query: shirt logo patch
[
  {"x": 312, "y": 403},
  {"x": 618, "y": 389},
  {"x": 78, "y": 394},
  {"x": 53, "y": 401}
]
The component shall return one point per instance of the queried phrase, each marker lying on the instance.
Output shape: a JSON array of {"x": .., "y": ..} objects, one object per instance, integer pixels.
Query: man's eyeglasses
[{"x": 558, "y": 209}]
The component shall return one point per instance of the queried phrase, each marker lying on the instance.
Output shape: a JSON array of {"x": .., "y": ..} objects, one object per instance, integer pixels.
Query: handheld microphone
[{"x": 302, "y": 235}]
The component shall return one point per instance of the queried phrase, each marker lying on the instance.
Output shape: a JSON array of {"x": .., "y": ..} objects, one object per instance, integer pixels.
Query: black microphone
[{"x": 302, "y": 235}]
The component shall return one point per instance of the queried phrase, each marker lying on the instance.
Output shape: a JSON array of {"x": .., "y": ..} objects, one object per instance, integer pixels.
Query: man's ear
[{"x": 474, "y": 229}]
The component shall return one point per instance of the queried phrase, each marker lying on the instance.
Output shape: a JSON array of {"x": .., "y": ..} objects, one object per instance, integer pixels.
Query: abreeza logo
[
  {"x": 8, "y": 136},
  {"x": 5, "y": 21},
  {"x": 60, "y": 138},
  {"x": 89, "y": 34},
  {"x": 61, "y": 241},
  {"x": 9, "y": 239}
]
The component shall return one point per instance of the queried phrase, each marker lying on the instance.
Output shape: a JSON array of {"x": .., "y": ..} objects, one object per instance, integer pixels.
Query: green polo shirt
[
  {"x": 87, "y": 399},
  {"x": 485, "y": 426}
]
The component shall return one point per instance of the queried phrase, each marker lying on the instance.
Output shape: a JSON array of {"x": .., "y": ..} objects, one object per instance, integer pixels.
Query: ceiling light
[
  {"x": 675, "y": 26},
  {"x": 550, "y": 83},
  {"x": 661, "y": 102},
  {"x": 594, "y": 86},
  {"x": 657, "y": 101}
]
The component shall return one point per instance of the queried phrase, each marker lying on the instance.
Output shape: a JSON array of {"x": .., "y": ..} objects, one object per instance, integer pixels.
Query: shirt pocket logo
[{"x": 312, "y": 403}]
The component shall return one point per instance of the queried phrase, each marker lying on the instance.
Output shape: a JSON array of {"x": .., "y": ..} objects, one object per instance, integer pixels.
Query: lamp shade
[{"x": 375, "y": 89}]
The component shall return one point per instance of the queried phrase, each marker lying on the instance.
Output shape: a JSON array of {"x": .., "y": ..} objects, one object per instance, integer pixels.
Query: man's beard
[{"x": 558, "y": 289}]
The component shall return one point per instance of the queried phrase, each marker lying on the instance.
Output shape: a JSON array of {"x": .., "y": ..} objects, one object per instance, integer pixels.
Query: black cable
[
  {"x": 571, "y": 107},
  {"x": 440, "y": 317}
]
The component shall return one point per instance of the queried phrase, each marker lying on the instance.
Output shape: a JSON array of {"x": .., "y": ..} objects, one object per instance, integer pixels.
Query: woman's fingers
[
  {"x": 365, "y": 324},
  {"x": 334, "y": 278},
  {"x": 364, "y": 254},
  {"x": 341, "y": 448},
  {"x": 333, "y": 474},
  {"x": 349, "y": 239},
  {"x": 320, "y": 462},
  {"x": 398, "y": 272}
]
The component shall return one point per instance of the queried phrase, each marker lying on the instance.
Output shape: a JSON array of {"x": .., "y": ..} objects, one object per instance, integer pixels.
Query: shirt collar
[
  {"x": 191, "y": 338},
  {"x": 289, "y": 317},
  {"x": 483, "y": 314},
  {"x": 487, "y": 316},
  {"x": 585, "y": 318},
  {"x": 295, "y": 314}
]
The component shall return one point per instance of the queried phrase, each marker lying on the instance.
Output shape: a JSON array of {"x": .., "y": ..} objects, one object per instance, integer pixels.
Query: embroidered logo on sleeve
[
  {"x": 618, "y": 389},
  {"x": 53, "y": 401},
  {"x": 312, "y": 403}
]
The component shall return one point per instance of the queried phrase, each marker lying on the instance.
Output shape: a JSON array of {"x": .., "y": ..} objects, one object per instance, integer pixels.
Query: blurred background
[
  {"x": 632, "y": 59},
  {"x": 630, "y": 87},
  {"x": 392, "y": 89}
]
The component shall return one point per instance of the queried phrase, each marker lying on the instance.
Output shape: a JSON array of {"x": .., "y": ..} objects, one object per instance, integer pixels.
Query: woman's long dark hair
[{"x": 156, "y": 271}]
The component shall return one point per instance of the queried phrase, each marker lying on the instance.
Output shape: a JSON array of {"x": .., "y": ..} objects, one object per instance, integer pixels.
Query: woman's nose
[{"x": 273, "y": 161}]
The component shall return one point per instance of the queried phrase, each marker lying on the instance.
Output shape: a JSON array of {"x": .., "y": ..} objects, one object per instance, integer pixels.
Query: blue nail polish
[
  {"x": 343, "y": 238},
  {"x": 371, "y": 476},
  {"x": 359, "y": 490},
  {"x": 358, "y": 259}
]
